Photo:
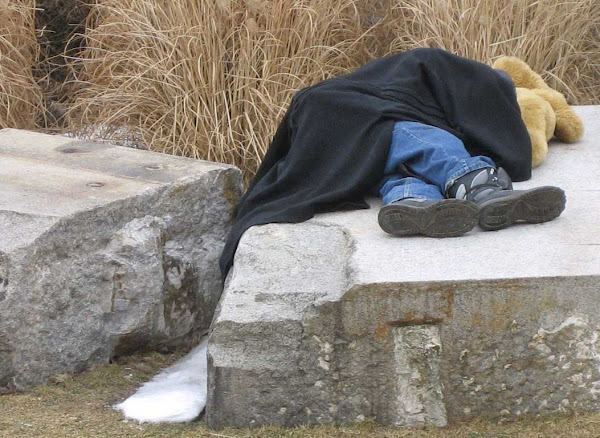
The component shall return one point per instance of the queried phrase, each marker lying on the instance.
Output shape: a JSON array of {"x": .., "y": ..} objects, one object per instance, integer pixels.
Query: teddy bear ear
[{"x": 521, "y": 74}]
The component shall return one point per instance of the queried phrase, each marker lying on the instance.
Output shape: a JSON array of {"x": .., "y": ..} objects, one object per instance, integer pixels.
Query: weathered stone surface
[
  {"x": 320, "y": 322},
  {"x": 103, "y": 250},
  {"x": 417, "y": 352}
]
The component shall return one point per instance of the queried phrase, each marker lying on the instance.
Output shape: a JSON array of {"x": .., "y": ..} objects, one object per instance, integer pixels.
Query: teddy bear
[{"x": 544, "y": 110}]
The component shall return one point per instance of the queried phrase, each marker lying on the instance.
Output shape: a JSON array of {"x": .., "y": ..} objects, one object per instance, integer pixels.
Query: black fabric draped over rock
[{"x": 331, "y": 147}]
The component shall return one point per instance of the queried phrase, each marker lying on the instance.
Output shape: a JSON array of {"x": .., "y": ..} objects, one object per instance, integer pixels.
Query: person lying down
[{"x": 439, "y": 137}]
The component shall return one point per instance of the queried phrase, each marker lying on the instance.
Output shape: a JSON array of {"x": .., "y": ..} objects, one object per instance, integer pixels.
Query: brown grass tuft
[
  {"x": 211, "y": 79},
  {"x": 20, "y": 97},
  {"x": 559, "y": 39},
  {"x": 208, "y": 79}
]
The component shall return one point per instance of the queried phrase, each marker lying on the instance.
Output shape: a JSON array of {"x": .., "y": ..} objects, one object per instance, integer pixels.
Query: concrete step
[
  {"x": 103, "y": 250},
  {"x": 334, "y": 321}
]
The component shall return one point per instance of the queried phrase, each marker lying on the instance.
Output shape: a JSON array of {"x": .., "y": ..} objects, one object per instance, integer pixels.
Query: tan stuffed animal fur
[{"x": 544, "y": 110}]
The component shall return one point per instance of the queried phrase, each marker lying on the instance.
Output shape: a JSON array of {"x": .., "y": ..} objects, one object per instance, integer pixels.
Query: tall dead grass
[
  {"x": 558, "y": 38},
  {"x": 208, "y": 79},
  {"x": 211, "y": 79},
  {"x": 20, "y": 97}
]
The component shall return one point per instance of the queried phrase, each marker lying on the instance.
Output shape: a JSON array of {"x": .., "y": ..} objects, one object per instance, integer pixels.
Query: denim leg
[
  {"x": 431, "y": 153},
  {"x": 396, "y": 187}
]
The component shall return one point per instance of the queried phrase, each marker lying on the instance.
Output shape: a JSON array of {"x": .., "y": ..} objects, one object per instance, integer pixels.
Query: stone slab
[
  {"x": 103, "y": 250},
  {"x": 317, "y": 318}
]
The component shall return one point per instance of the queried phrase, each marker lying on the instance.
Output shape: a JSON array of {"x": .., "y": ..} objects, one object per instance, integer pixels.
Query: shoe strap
[{"x": 471, "y": 185}]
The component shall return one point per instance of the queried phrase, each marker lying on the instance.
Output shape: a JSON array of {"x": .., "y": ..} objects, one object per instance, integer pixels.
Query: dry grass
[
  {"x": 57, "y": 21},
  {"x": 20, "y": 97},
  {"x": 559, "y": 39},
  {"x": 212, "y": 79},
  {"x": 208, "y": 79},
  {"x": 80, "y": 406}
]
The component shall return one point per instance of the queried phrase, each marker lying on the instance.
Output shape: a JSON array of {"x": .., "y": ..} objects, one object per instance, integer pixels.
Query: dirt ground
[{"x": 81, "y": 406}]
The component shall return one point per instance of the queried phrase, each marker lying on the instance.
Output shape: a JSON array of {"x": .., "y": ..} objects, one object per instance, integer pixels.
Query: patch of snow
[{"x": 176, "y": 394}]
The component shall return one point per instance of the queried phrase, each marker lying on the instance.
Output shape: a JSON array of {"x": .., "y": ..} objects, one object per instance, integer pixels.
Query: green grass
[{"x": 80, "y": 406}]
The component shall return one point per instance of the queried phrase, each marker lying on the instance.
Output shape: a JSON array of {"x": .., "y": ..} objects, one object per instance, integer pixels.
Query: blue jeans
[{"x": 437, "y": 157}]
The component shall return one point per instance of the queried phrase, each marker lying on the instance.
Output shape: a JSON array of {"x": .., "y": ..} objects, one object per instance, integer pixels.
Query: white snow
[{"x": 176, "y": 394}]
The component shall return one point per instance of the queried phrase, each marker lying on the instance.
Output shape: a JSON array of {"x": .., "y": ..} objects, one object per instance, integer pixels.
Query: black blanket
[{"x": 332, "y": 144}]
